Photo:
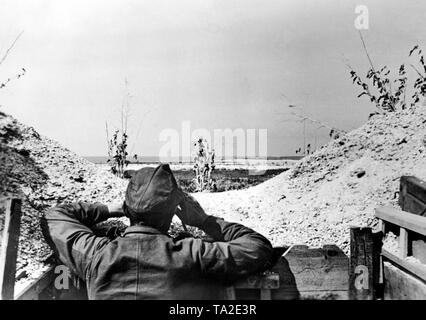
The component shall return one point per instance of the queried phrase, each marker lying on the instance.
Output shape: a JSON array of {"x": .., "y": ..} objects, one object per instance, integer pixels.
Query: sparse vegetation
[
  {"x": 390, "y": 95},
  {"x": 225, "y": 179},
  {"x": 117, "y": 153},
  {"x": 117, "y": 145},
  {"x": 306, "y": 149},
  {"x": 203, "y": 159},
  {"x": 21, "y": 73},
  {"x": 420, "y": 82}
]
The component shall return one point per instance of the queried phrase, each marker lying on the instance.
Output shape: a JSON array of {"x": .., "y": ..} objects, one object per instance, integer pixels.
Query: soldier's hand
[{"x": 191, "y": 212}]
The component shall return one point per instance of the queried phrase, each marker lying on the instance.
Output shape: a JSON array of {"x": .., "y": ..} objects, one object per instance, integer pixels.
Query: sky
[{"x": 218, "y": 64}]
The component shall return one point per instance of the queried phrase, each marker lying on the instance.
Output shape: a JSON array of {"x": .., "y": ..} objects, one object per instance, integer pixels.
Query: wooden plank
[
  {"x": 319, "y": 269},
  {"x": 402, "y": 192},
  {"x": 412, "y": 195},
  {"x": 419, "y": 250},
  {"x": 306, "y": 273},
  {"x": 403, "y": 243},
  {"x": 281, "y": 294},
  {"x": 415, "y": 187},
  {"x": 312, "y": 269},
  {"x": 259, "y": 281},
  {"x": 265, "y": 294},
  {"x": 403, "y": 219},
  {"x": 414, "y": 205},
  {"x": 9, "y": 248},
  {"x": 361, "y": 268},
  {"x": 305, "y": 270},
  {"x": 400, "y": 285},
  {"x": 381, "y": 226},
  {"x": 230, "y": 293},
  {"x": 417, "y": 270},
  {"x": 378, "y": 264},
  {"x": 44, "y": 286},
  {"x": 262, "y": 283},
  {"x": 324, "y": 295},
  {"x": 32, "y": 290},
  {"x": 378, "y": 243}
]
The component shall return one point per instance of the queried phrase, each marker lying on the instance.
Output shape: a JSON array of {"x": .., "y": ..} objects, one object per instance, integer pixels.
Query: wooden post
[
  {"x": 378, "y": 280},
  {"x": 361, "y": 268},
  {"x": 412, "y": 195},
  {"x": 403, "y": 242},
  {"x": 402, "y": 192},
  {"x": 378, "y": 238},
  {"x": 382, "y": 226},
  {"x": 9, "y": 248}
]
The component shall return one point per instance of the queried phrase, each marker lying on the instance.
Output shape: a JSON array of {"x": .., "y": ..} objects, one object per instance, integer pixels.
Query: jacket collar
[{"x": 140, "y": 229}]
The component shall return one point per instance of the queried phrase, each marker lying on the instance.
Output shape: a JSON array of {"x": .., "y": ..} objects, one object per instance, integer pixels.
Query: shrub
[
  {"x": 386, "y": 97},
  {"x": 117, "y": 146},
  {"x": 117, "y": 153},
  {"x": 204, "y": 165},
  {"x": 420, "y": 82}
]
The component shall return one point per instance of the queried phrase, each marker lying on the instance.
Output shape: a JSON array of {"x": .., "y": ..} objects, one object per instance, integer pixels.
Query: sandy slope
[
  {"x": 338, "y": 186},
  {"x": 43, "y": 173}
]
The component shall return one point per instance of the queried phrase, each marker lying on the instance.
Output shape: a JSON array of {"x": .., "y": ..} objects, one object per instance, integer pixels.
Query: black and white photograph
[{"x": 231, "y": 151}]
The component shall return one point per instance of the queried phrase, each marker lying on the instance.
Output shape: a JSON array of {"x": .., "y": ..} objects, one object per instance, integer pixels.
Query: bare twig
[
  {"x": 366, "y": 51},
  {"x": 107, "y": 136},
  {"x": 345, "y": 61},
  {"x": 304, "y": 117},
  {"x": 418, "y": 72},
  {"x": 405, "y": 92},
  {"x": 139, "y": 130},
  {"x": 10, "y": 48},
  {"x": 125, "y": 107}
]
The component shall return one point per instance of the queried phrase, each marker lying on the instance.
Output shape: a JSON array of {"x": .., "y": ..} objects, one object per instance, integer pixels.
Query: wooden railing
[
  {"x": 404, "y": 261},
  {"x": 407, "y": 223}
]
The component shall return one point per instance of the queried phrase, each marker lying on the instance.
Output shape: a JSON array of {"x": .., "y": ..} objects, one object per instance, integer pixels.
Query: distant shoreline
[{"x": 154, "y": 159}]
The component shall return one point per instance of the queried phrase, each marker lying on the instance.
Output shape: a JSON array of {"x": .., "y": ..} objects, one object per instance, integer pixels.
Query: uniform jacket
[{"x": 144, "y": 263}]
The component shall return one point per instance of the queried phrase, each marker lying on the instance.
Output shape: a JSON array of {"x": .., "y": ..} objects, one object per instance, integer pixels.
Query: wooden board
[
  {"x": 308, "y": 273},
  {"x": 262, "y": 281},
  {"x": 36, "y": 287},
  {"x": 403, "y": 219},
  {"x": 412, "y": 195},
  {"x": 362, "y": 265},
  {"x": 419, "y": 250},
  {"x": 43, "y": 287},
  {"x": 400, "y": 285},
  {"x": 9, "y": 248},
  {"x": 417, "y": 270}
]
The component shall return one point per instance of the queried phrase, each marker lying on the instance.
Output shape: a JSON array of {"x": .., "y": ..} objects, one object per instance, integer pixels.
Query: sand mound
[
  {"x": 340, "y": 185},
  {"x": 314, "y": 203},
  {"x": 43, "y": 173}
]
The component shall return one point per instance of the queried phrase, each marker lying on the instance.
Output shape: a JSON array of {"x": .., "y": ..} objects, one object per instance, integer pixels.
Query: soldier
[{"x": 145, "y": 262}]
